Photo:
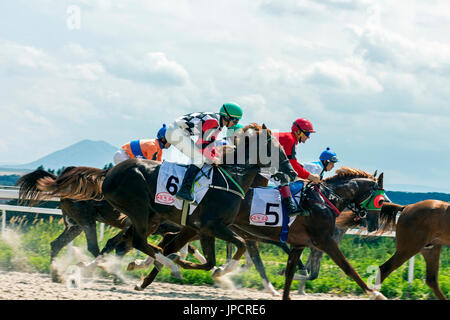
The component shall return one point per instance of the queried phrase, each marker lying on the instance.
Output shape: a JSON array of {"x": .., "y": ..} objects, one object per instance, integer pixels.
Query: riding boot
[
  {"x": 289, "y": 203},
  {"x": 185, "y": 190},
  {"x": 290, "y": 206}
]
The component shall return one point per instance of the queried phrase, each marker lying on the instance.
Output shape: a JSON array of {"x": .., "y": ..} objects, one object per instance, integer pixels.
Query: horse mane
[
  {"x": 255, "y": 127},
  {"x": 346, "y": 173},
  {"x": 241, "y": 134}
]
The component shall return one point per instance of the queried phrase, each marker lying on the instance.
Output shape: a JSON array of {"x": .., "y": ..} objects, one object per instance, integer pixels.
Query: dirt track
[{"x": 36, "y": 286}]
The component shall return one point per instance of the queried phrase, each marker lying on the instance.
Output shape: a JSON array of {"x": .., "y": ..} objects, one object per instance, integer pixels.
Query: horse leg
[
  {"x": 194, "y": 251},
  {"x": 313, "y": 268},
  {"x": 207, "y": 243},
  {"x": 432, "y": 260},
  {"x": 171, "y": 243},
  {"x": 314, "y": 261},
  {"x": 399, "y": 258},
  {"x": 252, "y": 249},
  {"x": 70, "y": 232},
  {"x": 294, "y": 255},
  {"x": 229, "y": 251},
  {"x": 91, "y": 237},
  {"x": 329, "y": 246},
  {"x": 287, "y": 249},
  {"x": 222, "y": 232},
  {"x": 112, "y": 243}
]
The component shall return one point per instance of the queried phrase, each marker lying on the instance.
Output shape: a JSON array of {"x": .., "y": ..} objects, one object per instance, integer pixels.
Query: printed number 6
[{"x": 171, "y": 187}]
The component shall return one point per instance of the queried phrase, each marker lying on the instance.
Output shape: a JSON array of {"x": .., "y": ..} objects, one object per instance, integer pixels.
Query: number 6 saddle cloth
[{"x": 170, "y": 177}]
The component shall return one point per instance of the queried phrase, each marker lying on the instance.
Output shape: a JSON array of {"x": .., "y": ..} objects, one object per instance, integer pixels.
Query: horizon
[
  {"x": 175, "y": 156},
  {"x": 371, "y": 76}
]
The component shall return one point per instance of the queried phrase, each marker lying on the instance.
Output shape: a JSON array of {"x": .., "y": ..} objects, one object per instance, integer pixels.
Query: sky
[{"x": 372, "y": 76}]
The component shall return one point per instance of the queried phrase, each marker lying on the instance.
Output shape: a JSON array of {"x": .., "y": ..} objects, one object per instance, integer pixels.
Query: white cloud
[
  {"x": 378, "y": 45},
  {"x": 152, "y": 67},
  {"x": 21, "y": 59},
  {"x": 342, "y": 75}
]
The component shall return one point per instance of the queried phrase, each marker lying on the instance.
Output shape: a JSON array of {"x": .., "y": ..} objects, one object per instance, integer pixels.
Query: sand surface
[{"x": 38, "y": 286}]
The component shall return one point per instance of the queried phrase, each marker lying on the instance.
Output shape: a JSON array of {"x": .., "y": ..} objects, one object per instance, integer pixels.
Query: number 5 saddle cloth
[
  {"x": 169, "y": 182},
  {"x": 266, "y": 209}
]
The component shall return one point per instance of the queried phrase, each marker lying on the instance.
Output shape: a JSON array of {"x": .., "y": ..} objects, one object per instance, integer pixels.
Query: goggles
[{"x": 306, "y": 133}]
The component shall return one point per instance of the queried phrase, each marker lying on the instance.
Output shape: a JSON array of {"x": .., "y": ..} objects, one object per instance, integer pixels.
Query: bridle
[{"x": 360, "y": 208}]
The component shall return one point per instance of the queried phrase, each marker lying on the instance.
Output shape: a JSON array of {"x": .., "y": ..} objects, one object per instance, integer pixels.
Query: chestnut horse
[{"x": 421, "y": 227}]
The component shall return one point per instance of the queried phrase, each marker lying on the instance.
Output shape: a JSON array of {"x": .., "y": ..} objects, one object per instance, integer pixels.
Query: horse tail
[
  {"x": 388, "y": 215},
  {"x": 28, "y": 187},
  {"x": 347, "y": 219},
  {"x": 79, "y": 183}
]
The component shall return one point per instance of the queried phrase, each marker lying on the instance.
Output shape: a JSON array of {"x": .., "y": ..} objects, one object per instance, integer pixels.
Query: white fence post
[
  {"x": 102, "y": 231},
  {"x": 411, "y": 270}
]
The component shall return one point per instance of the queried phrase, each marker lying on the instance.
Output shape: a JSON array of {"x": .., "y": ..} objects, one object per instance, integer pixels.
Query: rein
[
  {"x": 359, "y": 209},
  {"x": 226, "y": 175}
]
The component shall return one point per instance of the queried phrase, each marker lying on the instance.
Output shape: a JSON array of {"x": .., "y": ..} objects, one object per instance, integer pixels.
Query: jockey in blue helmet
[
  {"x": 161, "y": 136},
  {"x": 327, "y": 160}
]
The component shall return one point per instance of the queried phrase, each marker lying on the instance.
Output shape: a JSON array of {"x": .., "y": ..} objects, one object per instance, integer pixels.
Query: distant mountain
[{"x": 84, "y": 153}]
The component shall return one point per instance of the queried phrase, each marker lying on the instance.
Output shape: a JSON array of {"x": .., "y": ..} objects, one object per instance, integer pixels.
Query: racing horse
[
  {"x": 81, "y": 216},
  {"x": 347, "y": 219},
  {"x": 351, "y": 187},
  {"x": 130, "y": 187},
  {"x": 421, "y": 227}
]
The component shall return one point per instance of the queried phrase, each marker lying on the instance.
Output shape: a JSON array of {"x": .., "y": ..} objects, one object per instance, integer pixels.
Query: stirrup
[{"x": 300, "y": 212}]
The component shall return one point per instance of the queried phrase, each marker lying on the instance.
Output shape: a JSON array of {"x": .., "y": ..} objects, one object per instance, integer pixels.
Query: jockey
[
  {"x": 151, "y": 149},
  {"x": 326, "y": 163},
  {"x": 300, "y": 132},
  {"x": 207, "y": 126}
]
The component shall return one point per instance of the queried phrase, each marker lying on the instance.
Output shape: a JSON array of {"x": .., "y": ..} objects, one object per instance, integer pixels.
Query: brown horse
[
  {"x": 130, "y": 187},
  {"x": 82, "y": 216},
  {"x": 352, "y": 186},
  {"x": 421, "y": 227}
]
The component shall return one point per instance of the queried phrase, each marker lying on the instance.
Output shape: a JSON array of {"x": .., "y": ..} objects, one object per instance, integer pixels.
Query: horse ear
[
  {"x": 380, "y": 180},
  {"x": 264, "y": 126},
  {"x": 375, "y": 173}
]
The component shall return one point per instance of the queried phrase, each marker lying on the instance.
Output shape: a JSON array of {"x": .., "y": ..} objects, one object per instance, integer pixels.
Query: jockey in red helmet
[{"x": 300, "y": 132}]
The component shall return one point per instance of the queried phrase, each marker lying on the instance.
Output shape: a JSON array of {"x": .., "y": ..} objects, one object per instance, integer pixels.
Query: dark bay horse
[
  {"x": 351, "y": 185},
  {"x": 421, "y": 227},
  {"x": 130, "y": 187},
  {"x": 81, "y": 216},
  {"x": 346, "y": 220}
]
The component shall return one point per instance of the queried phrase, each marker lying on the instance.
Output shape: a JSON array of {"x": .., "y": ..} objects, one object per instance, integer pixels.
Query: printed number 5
[
  {"x": 171, "y": 187},
  {"x": 272, "y": 213}
]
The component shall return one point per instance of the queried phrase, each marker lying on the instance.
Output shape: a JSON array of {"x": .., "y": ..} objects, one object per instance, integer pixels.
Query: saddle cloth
[
  {"x": 169, "y": 181},
  {"x": 266, "y": 209}
]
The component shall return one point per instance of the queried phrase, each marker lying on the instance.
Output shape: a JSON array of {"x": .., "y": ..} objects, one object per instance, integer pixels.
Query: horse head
[
  {"x": 361, "y": 189},
  {"x": 255, "y": 146}
]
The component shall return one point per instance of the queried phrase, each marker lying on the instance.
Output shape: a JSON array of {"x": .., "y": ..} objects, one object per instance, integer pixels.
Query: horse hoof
[
  {"x": 217, "y": 272},
  {"x": 177, "y": 275},
  {"x": 378, "y": 296},
  {"x": 131, "y": 266},
  {"x": 138, "y": 288}
]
